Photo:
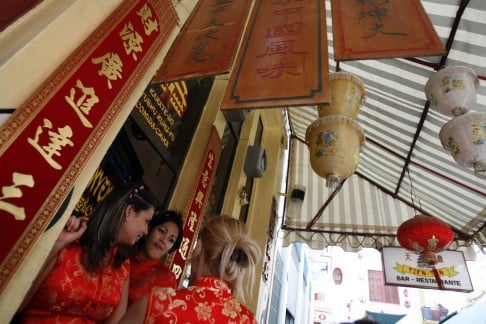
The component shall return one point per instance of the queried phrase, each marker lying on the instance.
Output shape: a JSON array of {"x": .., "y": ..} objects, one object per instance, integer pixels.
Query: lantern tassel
[{"x": 437, "y": 278}]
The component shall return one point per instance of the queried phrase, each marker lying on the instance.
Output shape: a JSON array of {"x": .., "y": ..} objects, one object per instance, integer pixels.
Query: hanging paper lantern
[
  {"x": 425, "y": 235},
  {"x": 347, "y": 95},
  {"x": 465, "y": 138},
  {"x": 452, "y": 90},
  {"x": 334, "y": 145}
]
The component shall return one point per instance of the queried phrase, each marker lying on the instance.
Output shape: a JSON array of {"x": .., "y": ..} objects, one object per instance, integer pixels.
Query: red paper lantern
[{"x": 426, "y": 236}]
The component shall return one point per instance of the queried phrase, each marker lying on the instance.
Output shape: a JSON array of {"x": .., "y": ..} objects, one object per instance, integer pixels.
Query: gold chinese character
[
  {"x": 132, "y": 41},
  {"x": 184, "y": 248},
  {"x": 205, "y": 179},
  {"x": 211, "y": 159},
  {"x": 18, "y": 179},
  {"x": 82, "y": 106},
  {"x": 56, "y": 142},
  {"x": 111, "y": 66},
  {"x": 149, "y": 24},
  {"x": 192, "y": 221},
  {"x": 177, "y": 270},
  {"x": 175, "y": 95},
  {"x": 199, "y": 199}
]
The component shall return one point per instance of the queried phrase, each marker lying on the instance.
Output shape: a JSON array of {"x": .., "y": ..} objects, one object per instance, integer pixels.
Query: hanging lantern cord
[
  {"x": 437, "y": 277},
  {"x": 412, "y": 196},
  {"x": 412, "y": 192}
]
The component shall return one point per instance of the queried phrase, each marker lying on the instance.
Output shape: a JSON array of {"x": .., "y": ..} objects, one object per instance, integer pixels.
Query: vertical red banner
[
  {"x": 194, "y": 212},
  {"x": 46, "y": 143}
]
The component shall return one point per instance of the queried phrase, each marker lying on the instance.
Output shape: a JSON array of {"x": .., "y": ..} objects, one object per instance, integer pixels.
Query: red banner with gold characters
[
  {"x": 283, "y": 60},
  {"x": 208, "y": 41},
  {"x": 48, "y": 140},
  {"x": 370, "y": 29},
  {"x": 193, "y": 215}
]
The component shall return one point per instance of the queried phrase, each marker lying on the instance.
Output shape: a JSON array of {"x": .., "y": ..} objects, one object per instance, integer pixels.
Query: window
[
  {"x": 378, "y": 291},
  {"x": 230, "y": 141}
]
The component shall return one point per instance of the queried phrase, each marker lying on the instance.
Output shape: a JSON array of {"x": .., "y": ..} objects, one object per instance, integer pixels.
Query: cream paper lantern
[
  {"x": 347, "y": 96},
  {"x": 334, "y": 146},
  {"x": 465, "y": 138},
  {"x": 452, "y": 90}
]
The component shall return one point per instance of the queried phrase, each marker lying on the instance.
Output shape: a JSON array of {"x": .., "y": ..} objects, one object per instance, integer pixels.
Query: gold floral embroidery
[
  {"x": 70, "y": 294},
  {"x": 231, "y": 308},
  {"x": 203, "y": 311},
  {"x": 208, "y": 301}
]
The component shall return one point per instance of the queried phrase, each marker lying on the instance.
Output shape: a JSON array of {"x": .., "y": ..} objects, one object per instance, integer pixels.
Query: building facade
[{"x": 36, "y": 45}]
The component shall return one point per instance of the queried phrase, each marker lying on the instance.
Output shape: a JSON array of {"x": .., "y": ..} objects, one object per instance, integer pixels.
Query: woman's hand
[{"x": 74, "y": 229}]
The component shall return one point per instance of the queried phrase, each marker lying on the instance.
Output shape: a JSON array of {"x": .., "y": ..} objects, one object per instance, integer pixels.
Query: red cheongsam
[
  {"x": 146, "y": 274},
  {"x": 71, "y": 295},
  {"x": 208, "y": 300}
]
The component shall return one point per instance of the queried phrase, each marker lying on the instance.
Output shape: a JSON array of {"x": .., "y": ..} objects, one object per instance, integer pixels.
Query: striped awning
[{"x": 403, "y": 168}]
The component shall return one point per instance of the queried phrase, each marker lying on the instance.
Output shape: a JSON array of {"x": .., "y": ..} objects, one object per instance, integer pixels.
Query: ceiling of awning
[{"x": 403, "y": 168}]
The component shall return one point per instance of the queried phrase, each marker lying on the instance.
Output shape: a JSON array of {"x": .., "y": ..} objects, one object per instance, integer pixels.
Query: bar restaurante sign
[
  {"x": 48, "y": 140},
  {"x": 402, "y": 267}
]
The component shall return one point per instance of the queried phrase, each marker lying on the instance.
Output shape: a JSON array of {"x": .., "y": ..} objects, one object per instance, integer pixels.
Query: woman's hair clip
[
  {"x": 136, "y": 191},
  {"x": 237, "y": 255}
]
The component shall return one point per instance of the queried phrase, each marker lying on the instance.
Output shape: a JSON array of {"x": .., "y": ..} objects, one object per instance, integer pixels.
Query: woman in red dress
[
  {"x": 85, "y": 279},
  {"x": 147, "y": 268},
  {"x": 223, "y": 256}
]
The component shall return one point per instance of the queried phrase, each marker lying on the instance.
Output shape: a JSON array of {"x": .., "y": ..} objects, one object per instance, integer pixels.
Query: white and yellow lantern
[
  {"x": 465, "y": 138},
  {"x": 334, "y": 144},
  {"x": 347, "y": 96},
  {"x": 452, "y": 90}
]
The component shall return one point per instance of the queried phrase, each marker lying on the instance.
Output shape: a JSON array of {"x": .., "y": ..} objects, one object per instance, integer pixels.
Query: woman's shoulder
[
  {"x": 211, "y": 282},
  {"x": 152, "y": 272},
  {"x": 162, "y": 267},
  {"x": 72, "y": 251},
  {"x": 165, "y": 276},
  {"x": 148, "y": 265}
]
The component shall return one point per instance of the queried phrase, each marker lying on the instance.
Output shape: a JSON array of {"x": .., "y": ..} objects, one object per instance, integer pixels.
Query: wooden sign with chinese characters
[
  {"x": 382, "y": 29},
  {"x": 194, "y": 212},
  {"x": 47, "y": 142},
  {"x": 283, "y": 60},
  {"x": 208, "y": 41},
  {"x": 405, "y": 268}
]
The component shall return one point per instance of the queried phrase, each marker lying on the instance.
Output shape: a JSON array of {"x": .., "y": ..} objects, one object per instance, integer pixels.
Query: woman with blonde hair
[{"x": 224, "y": 256}]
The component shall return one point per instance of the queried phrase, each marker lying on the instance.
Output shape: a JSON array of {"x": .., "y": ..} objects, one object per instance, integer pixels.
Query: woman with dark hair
[
  {"x": 148, "y": 269},
  {"x": 224, "y": 255},
  {"x": 86, "y": 275}
]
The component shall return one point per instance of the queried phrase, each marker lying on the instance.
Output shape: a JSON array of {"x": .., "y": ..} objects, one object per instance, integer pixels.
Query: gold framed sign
[
  {"x": 382, "y": 29},
  {"x": 283, "y": 60}
]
